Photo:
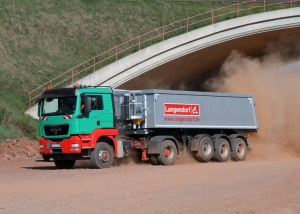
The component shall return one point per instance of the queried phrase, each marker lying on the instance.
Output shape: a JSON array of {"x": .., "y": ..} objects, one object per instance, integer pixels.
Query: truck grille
[
  {"x": 56, "y": 151},
  {"x": 52, "y": 130}
]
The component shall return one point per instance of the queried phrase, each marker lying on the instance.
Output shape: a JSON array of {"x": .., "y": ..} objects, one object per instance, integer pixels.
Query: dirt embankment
[{"x": 19, "y": 149}]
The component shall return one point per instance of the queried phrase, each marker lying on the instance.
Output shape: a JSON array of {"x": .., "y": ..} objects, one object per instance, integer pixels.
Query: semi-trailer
[{"x": 103, "y": 124}]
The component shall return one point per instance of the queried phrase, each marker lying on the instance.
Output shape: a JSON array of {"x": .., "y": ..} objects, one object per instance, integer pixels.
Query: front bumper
[{"x": 72, "y": 145}]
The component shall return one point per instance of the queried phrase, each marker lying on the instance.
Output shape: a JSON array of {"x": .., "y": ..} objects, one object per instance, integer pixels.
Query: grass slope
[{"x": 43, "y": 38}]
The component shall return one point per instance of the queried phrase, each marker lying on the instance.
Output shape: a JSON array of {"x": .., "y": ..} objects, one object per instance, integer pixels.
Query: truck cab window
[
  {"x": 59, "y": 106},
  {"x": 97, "y": 102}
]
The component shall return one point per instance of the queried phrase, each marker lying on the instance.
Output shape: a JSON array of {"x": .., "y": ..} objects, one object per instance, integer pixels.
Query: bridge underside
[{"x": 190, "y": 71}]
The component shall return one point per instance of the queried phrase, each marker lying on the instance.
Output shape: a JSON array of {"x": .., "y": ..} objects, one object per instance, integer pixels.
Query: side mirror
[
  {"x": 87, "y": 102},
  {"x": 39, "y": 107}
]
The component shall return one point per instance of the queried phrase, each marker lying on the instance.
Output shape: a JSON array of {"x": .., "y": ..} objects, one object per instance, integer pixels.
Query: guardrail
[{"x": 158, "y": 35}]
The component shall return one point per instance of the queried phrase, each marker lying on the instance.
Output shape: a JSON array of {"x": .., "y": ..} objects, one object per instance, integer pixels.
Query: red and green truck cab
[{"x": 73, "y": 120}]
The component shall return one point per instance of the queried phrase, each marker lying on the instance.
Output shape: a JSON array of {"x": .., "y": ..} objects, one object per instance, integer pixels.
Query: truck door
[{"x": 101, "y": 115}]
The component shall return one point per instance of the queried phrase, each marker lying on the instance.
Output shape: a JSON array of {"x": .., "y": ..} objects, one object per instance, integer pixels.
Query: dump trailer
[{"x": 103, "y": 124}]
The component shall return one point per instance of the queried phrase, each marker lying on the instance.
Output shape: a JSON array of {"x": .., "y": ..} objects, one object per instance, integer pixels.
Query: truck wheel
[
  {"x": 239, "y": 149},
  {"x": 222, "y": 152},
  {"x": 153, "y": 159},
  {"x": 46, "y": 158},
  {"x": 102, "y": 156},
  {"x": 168, "y": 152},
  {"x": 205, "y": 149},
  {"x": 64, "y": 164}
]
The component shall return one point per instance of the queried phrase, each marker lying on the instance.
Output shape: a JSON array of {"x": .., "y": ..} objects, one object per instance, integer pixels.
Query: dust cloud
[{"x": 277, "y": 94}]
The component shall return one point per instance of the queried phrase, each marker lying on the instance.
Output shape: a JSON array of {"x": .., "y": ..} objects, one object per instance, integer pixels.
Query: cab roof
[{"x": 69, "y": 92}]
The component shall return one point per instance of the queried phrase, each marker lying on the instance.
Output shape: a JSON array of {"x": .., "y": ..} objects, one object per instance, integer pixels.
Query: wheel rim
[
  {"x": 240, "y": 149},
  {"x": 224, "y": 150},
  {"x": 103, "y": 156},
  {"x": 206, "y": 148},
  {"x": 169, "y": 152}
]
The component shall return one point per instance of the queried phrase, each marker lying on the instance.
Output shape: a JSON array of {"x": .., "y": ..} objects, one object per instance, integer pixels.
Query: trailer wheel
[
  {"x": 239, "y": 149},
  {"x": 102, "y": 156},
  {"x": 153, "y": 159},
  {"x": 205, "y": 149},
  {"x": 168, "y": 152},
  {"x": 64, "y": 164},
  {"x": 222, "y": 152}
]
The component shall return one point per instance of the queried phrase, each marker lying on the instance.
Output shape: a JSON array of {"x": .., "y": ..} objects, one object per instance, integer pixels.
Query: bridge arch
[{"x": 198, "y": 53}]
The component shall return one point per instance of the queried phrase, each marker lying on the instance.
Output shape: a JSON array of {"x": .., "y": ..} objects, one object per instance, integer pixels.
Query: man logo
[{"x": 55, "y": 129}]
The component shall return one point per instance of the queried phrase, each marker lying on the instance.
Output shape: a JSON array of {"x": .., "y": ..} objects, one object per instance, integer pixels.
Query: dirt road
[{"x": 252, "y": 186}]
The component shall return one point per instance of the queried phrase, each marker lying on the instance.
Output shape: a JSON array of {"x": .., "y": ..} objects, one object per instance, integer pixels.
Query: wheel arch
[
  {"x": 233, "y": 137},
  {"x": 103, "y": 135},
  {"x": 155, "y": 142},
  {"x": 110, "y": 141}
]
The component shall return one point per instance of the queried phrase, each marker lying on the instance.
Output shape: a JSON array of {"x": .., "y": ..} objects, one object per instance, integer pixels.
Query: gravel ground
[{"x": 30, "y": 185}]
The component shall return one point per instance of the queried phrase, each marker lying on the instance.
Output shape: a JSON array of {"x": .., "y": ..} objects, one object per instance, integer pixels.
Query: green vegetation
[{"x": 40, "y": 39}]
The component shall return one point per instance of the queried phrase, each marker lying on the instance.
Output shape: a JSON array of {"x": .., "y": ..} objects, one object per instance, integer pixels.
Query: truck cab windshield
[{"x": 58, "y": 106}]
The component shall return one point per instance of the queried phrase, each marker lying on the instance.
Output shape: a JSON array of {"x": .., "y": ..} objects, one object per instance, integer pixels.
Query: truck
[{"x": 104, "y": 124}]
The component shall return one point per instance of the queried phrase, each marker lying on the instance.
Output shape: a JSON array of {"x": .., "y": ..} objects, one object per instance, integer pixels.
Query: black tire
[
  {"x": 64, "y": 164},
  {"x": 205, "y": 149},
  {"x": 46, "y": 158},
  {"x": 153, "y": 159},
  {"x": 239, "y": 150},
  {"x": 222, "y": 152},
  {"x": 168, "y": 153},
  {"x": 102, "y": 156},
  {"x": 117, "y": 161}
]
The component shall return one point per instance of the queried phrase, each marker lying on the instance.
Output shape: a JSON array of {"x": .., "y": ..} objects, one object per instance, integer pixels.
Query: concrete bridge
[{"x": 192, "y": 57}]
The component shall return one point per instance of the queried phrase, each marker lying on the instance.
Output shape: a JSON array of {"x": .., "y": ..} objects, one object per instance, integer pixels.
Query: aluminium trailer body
[
  {"x": 209, "y": 124},
  {"x": 186, "y": 110}
]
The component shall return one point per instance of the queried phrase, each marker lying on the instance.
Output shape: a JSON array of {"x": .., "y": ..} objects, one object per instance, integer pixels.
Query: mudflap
[{"x": 155, "y": 143}]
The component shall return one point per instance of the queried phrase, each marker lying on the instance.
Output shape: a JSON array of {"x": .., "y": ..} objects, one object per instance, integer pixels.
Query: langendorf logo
[{"x": 180, "y": 109}]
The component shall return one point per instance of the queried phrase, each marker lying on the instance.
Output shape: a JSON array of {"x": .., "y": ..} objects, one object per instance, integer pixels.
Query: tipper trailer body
[{"x": 100, "y": 124}]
